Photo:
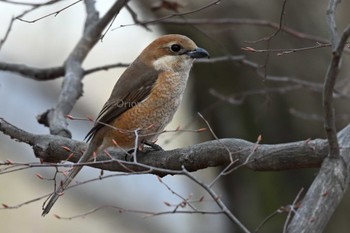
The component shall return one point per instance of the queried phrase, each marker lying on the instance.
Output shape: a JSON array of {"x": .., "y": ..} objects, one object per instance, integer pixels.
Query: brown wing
[{"x": 133, "y": 86}]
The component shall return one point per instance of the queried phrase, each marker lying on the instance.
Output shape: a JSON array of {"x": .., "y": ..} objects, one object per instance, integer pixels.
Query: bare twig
[
  {"x": 106, "y": 67},
  {"x": 292, "y": 209},
  {"x": 239, "y": 98},
  {"x": 34, "y": 6},
  {"x": 45, "y": 16},
  {"x": 7, "y": 33},
  {"x": 141, "y": 212},
  {"x": 135, "y": 18},
  {"x": 270, "y": 37},
  {"x": 280, "y": 52},
  {"x": 6, "y": 206},
  {"x": 185, "y": 201},
  {"x": 217, "y": 199},
  {"x": 25, "y": 3},
  {"x": 240, "y": 21},
  {"x": 280, "y": 26},
  {"x": 175, "y": 15},
  {"x": 229, "y": 153},
  {"x": 270, "y": 216}
]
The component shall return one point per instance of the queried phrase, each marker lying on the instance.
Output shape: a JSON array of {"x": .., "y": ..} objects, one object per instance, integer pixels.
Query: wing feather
[{"x": 133, "y": 86}]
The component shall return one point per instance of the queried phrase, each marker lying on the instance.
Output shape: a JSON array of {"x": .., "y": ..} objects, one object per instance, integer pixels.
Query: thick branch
[
  {"x": 302, "y": 154},
  {"x": 72, "y": 86},
  {"x": 331, "y": 183},
  {"x": 326, "y": 192}
]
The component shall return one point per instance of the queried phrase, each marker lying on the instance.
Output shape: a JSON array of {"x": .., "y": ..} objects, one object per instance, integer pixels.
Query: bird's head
[{"x": 172, "y": 52}]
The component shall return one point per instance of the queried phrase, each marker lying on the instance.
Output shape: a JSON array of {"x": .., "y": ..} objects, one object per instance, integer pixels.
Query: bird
[{"x": 143, "y": 101}]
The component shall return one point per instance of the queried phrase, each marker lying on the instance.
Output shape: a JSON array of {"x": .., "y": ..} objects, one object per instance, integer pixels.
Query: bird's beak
[{"x": 198, "y": 53}]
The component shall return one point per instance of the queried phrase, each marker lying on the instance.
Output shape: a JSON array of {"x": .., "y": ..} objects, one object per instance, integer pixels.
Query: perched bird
[{"x": 143, "y": 101}]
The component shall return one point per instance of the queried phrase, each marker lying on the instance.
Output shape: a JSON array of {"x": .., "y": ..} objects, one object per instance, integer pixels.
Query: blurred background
[{"x": 233, "y": 97}]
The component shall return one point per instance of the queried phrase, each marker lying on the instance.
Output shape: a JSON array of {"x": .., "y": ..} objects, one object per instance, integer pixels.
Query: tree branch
[
  {"x": 326, "y": 192},
  {"x": 329, "y": 83},
  {"x": 263, "y": 157},
  {"x": 34, "y": 6},
  {"x": 38, "y": 74},
  {"x": 331, "y": 183},
  {"x": 240, "y": 21},
  {"x": 51, "y": 73},
  {"x": 72, "y": 86}
]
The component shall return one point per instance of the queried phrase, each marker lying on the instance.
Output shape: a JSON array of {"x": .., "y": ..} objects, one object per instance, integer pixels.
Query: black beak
[{"x": 198, "y": 53}]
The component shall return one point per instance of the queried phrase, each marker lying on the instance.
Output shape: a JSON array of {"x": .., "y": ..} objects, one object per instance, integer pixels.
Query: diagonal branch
[
  {"x": 34, "y": 6},
  {"x": 51, "y": 14},
  {"x": 72, "y": 86}
]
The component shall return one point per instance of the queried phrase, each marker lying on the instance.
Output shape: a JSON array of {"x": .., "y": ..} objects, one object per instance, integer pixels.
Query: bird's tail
[{"x": 58, "y": 192}]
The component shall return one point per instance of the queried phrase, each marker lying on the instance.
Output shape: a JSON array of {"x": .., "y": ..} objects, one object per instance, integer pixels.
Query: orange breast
[{"x": 150, "y": 116}]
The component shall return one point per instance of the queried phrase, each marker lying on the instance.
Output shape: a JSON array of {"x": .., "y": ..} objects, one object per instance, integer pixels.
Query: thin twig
[
  {"x": 185, "y": 201},
  {"x": 217, "y": 199},
  {"x": 7, "y": 33},
  {"x": 5, "y": 206},
  {"x": 269, "y": 38},
  {"x": 266, "y": 219},
  {"x": 240, "y": 21},
  {"x": 280, "y": 52},
  {"x": 136, "y": 20},
  {"x": 174, "y": 15},
  {"x": 292, "y": 210},
  {"x": 34, "y": 6},
  {"x": 143, "y": 212},
  {"x": 53, "y": 13}
]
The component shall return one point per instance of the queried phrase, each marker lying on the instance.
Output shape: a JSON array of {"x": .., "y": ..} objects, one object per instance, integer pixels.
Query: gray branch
[
  {"x": 72, "y": 85},
  {"x": 51, "y": 73},
  {"x": 332, "y": 181},
  {"x": 326, "y": 192},
  {"x": 262, "y": 157}
]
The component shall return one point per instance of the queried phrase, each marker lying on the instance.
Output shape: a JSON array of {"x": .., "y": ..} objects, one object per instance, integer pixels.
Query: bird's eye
[{"x": 175, "y": 48}]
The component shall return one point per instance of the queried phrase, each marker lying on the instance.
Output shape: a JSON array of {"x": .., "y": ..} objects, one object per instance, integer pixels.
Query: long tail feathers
[{"x": 86, "y": 156}]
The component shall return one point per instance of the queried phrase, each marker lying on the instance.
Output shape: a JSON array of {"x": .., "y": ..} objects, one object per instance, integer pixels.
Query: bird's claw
[{"x": 154, "y": 146}]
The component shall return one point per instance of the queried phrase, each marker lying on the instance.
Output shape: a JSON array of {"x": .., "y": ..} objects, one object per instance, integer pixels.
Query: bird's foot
[
  {"x": 129, "y": 156},
  {"x": 154, "y": 146}
]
